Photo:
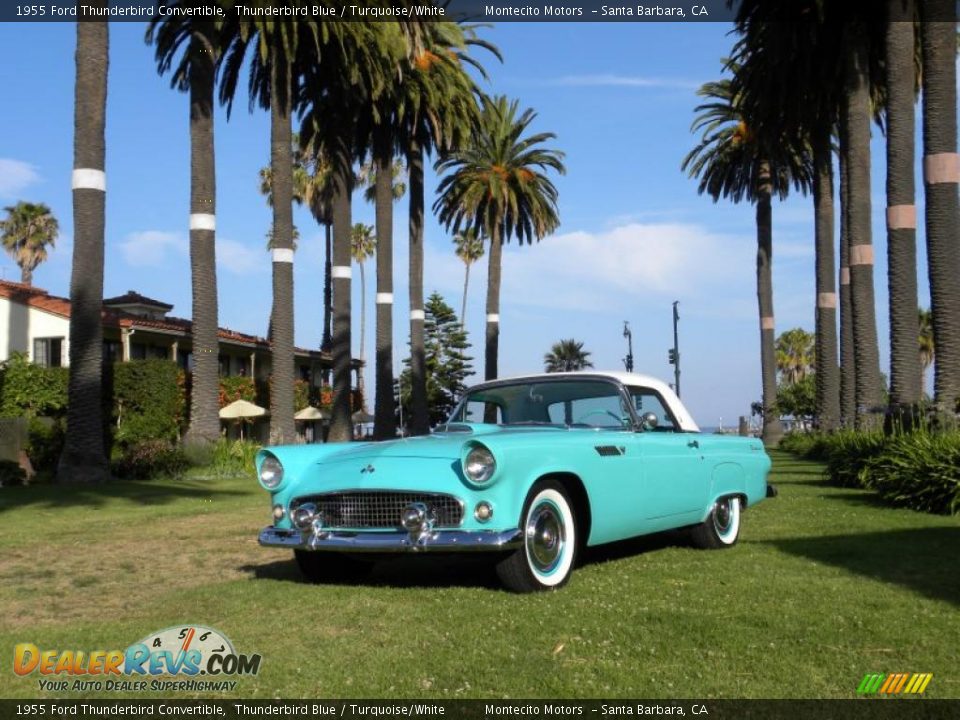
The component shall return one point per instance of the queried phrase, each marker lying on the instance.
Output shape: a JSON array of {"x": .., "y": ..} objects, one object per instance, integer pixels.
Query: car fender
[{"x": 727, "y": 478}]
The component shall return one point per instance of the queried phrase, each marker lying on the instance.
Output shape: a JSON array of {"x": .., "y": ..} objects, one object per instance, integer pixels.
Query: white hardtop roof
[{"x": 683, "y": 417}]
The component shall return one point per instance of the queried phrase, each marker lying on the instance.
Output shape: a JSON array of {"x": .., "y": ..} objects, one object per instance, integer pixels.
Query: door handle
[{"x": 693, "y": 444}]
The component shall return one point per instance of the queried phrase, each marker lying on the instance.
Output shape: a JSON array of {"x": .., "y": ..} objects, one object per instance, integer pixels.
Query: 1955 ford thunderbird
[{"x": 528, "y": 469}]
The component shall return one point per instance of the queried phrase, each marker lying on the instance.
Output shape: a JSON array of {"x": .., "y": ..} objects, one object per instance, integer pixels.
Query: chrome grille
[{"x": 380, "y": 508}]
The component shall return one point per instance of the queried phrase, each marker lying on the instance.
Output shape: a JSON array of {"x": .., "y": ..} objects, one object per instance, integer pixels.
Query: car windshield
[{"x": 563, "y": 403}]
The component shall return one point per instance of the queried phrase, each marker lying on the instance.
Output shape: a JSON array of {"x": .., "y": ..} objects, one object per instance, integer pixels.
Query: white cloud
[
  {"x": 150, "y": 248},
  {"x": 240, "y": 259},
  {"x": 16, "y": 175},
  {"x": 628, "y": 264},
  {"x": 638, "y": 81}
]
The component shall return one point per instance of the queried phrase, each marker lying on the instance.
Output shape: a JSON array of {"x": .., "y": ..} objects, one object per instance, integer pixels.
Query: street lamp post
[
  {"x": 674, "y": 353},
  {"x": 628, "y": 360}
]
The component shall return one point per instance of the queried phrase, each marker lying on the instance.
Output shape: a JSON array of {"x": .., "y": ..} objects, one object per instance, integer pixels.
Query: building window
[
  {"x": 48, "y": 352},
  {"x": 111, "y": 351},
  {"x": 224, "y": 365},
  {"x": 185, "y": 360},
  {"x": 304, "y": 372},
  {"x": 138, "y": 351}
]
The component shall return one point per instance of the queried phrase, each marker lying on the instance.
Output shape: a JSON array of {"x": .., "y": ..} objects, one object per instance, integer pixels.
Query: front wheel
[
  {"x": 545, "y": 561},
  {"x": 721, "y": 529}
]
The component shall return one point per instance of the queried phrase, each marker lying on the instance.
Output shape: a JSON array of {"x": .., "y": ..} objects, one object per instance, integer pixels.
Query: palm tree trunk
[
  {"x": 905, "y": 389},
  {"x": 385, "y": 424},
  {"x": 941, "y": 175},
  {"x": 463, "y": 307},
  {"x": 327, "y": 340},
  {"x": 205, "y": 391},
  {"x": 827, "y": 371},
  {"x": 493, "y": 305},
  {"x": 361, "y": 385},
  {"x": 848, "y": 400},
  {"x": 83, "y": 457},
  {"x": 869, "y": 390},
  {"x": 26, "y": 275},
  {"x": 282, "y": 427},
  {"x": 419, "y": 409},
  {"x": 772, "y": 428},
  {"x": 341, "y": 424}
]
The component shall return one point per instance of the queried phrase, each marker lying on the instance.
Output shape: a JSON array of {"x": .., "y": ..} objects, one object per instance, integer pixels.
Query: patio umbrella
[
  {"x": 311, "y": 413},
  {"x": 361, "y": 417},
  {"x": 241, "y": 410}
]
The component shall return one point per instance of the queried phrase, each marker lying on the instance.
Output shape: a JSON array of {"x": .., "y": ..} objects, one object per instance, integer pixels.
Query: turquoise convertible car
[{"x": 528, "y": 469}]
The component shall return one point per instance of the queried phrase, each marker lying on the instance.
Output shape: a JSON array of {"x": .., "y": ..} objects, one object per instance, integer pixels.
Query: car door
[{"x": 673, "y": 468}]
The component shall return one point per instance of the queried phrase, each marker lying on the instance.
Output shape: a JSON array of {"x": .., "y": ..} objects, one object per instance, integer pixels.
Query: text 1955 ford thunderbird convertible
[{"x": 528, "y": 469}]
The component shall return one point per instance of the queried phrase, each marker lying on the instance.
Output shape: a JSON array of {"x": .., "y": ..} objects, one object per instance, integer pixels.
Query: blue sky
[{"x": 635, "y": 236}]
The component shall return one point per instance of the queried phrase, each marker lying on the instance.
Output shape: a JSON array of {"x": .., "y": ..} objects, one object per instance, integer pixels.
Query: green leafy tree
[
  {"x": 27, "y": 231},
  {"x": 363, "y": 246},
  {"x": 498, "y": 184},
  {"x": 927, "y": 348},
  {"x": 447, "y": 362},
  {"x": 736, "y": 160},
  {"x": 469, "y": 249},
  {"x": 798, "y": 399},
  {"x": 796, "y": 354},
  {"x": 566, "y": 356}
]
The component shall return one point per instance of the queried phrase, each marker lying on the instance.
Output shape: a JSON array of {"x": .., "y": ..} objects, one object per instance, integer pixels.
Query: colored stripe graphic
[{"x": 894, "y": 683}]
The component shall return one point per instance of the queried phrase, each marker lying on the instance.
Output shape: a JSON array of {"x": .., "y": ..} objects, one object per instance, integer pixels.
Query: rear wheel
[
  {"x": 329, "y": 567},
  {"x": 545, "y": 560},
  {"x": 721, "y": 529}
]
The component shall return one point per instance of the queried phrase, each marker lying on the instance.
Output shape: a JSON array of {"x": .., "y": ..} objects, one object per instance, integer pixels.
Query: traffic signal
[{"x": 673, "y": 356}]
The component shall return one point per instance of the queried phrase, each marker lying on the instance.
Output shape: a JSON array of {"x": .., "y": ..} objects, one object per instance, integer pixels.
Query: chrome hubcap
[
  {"x": 722, "y": 516},
  {"x": 545, "y": 537}
]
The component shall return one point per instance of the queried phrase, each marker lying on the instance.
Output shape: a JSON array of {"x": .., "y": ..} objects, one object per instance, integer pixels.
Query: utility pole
[
  {"x": 674, "y": 353},
  {"x": 628, "y": 360}
]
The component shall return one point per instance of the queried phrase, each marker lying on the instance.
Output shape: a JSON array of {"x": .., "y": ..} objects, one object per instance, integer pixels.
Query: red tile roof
[
  {"x": 42, "y": 300},
  {"x": 131, "y": 297}
]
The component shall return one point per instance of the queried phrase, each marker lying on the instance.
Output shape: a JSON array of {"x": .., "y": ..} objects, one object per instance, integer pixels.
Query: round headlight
[
  {"x": 479, "y": 465},
  {"x": 271, "y": 472}
]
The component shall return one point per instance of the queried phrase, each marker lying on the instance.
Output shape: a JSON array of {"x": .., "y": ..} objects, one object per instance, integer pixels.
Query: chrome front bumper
[{"x": 393, "y": 541}]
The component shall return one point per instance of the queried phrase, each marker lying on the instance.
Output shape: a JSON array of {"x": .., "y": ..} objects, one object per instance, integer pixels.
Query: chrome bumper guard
[{"x": 396, "y": 541}]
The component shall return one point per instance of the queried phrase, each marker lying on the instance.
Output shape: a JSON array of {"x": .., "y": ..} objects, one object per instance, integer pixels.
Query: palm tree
[
  {"x": 469, "y": 249},
  {"x": 855, "y": 145},
  {"x": 774, "y": 58},
  {"x": 363, "y": 245},
  {"x": 437, "y": 111},
  {"x": 384, "y": 187},
  {"x": 927, "y": 348},
  {"x": 566, "y": 356},
  {"x": 83, "y": 458},
  {"x": 197, "y": 45},
  {"x": 27, "y": 231},
  {"x": 735, "y": 161},
  {"x": 905, "y": 373},
  {"x": 796, "y": 351},
  {"x": 941, "y": 175},
  {"x": 498, "y": 185}
]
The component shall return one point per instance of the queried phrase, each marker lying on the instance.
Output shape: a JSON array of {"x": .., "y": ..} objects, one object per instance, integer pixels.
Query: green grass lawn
[{"x": 825, "y": 586}]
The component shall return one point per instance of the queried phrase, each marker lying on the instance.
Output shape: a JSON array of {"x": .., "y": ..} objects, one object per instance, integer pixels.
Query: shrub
[
  {"x": 11, "y": 474},
  {"x": 237, "y": 387},
  {"x": 233, "y": 457},
  {"x": 45, "y": 438},
  {"x": 798, "y": 443},
  {"x": 149, "y": 401},
  {"x": 150, "y": 459},
  {"x": 30, "y": 390},
  {"x": 920, "y": 470},
  {"x": 847, "y": 453}
]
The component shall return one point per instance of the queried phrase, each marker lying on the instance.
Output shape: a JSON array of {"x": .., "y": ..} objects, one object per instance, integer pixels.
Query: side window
[
  {"x": 474, "y": 411},
  {"x": 606, "y": 411},
  {"x": 647, "y": 401}
]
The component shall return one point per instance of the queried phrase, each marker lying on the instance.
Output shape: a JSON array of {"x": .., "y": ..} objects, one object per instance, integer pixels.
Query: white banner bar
[
  {"x": 203, "y": 221},
  {"x": 341, "y": 272},
  {"x": 87, "y": 179}
]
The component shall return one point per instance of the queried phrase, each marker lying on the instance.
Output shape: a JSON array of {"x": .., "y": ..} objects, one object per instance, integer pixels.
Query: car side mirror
[{"x": 649, "y": 421}]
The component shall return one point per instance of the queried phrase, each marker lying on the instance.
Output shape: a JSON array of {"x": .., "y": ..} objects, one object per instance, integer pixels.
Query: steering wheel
[{"x": 582, "y": 419}]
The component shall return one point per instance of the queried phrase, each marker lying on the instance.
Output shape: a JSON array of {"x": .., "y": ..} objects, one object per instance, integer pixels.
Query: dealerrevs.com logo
[{"x": 188, "y": 658}]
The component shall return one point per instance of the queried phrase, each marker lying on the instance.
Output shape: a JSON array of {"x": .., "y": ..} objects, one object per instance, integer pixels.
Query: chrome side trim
[{"x": 401, "y": 541}]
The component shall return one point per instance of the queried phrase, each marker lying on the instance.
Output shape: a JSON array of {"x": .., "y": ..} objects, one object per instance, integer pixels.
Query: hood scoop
[{"x": 454, "y": 428}]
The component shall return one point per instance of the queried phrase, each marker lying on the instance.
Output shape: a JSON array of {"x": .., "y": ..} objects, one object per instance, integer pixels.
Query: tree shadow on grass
[
  {"x": 922, "y": 559},
  {"x": 139, "y": 492}
]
